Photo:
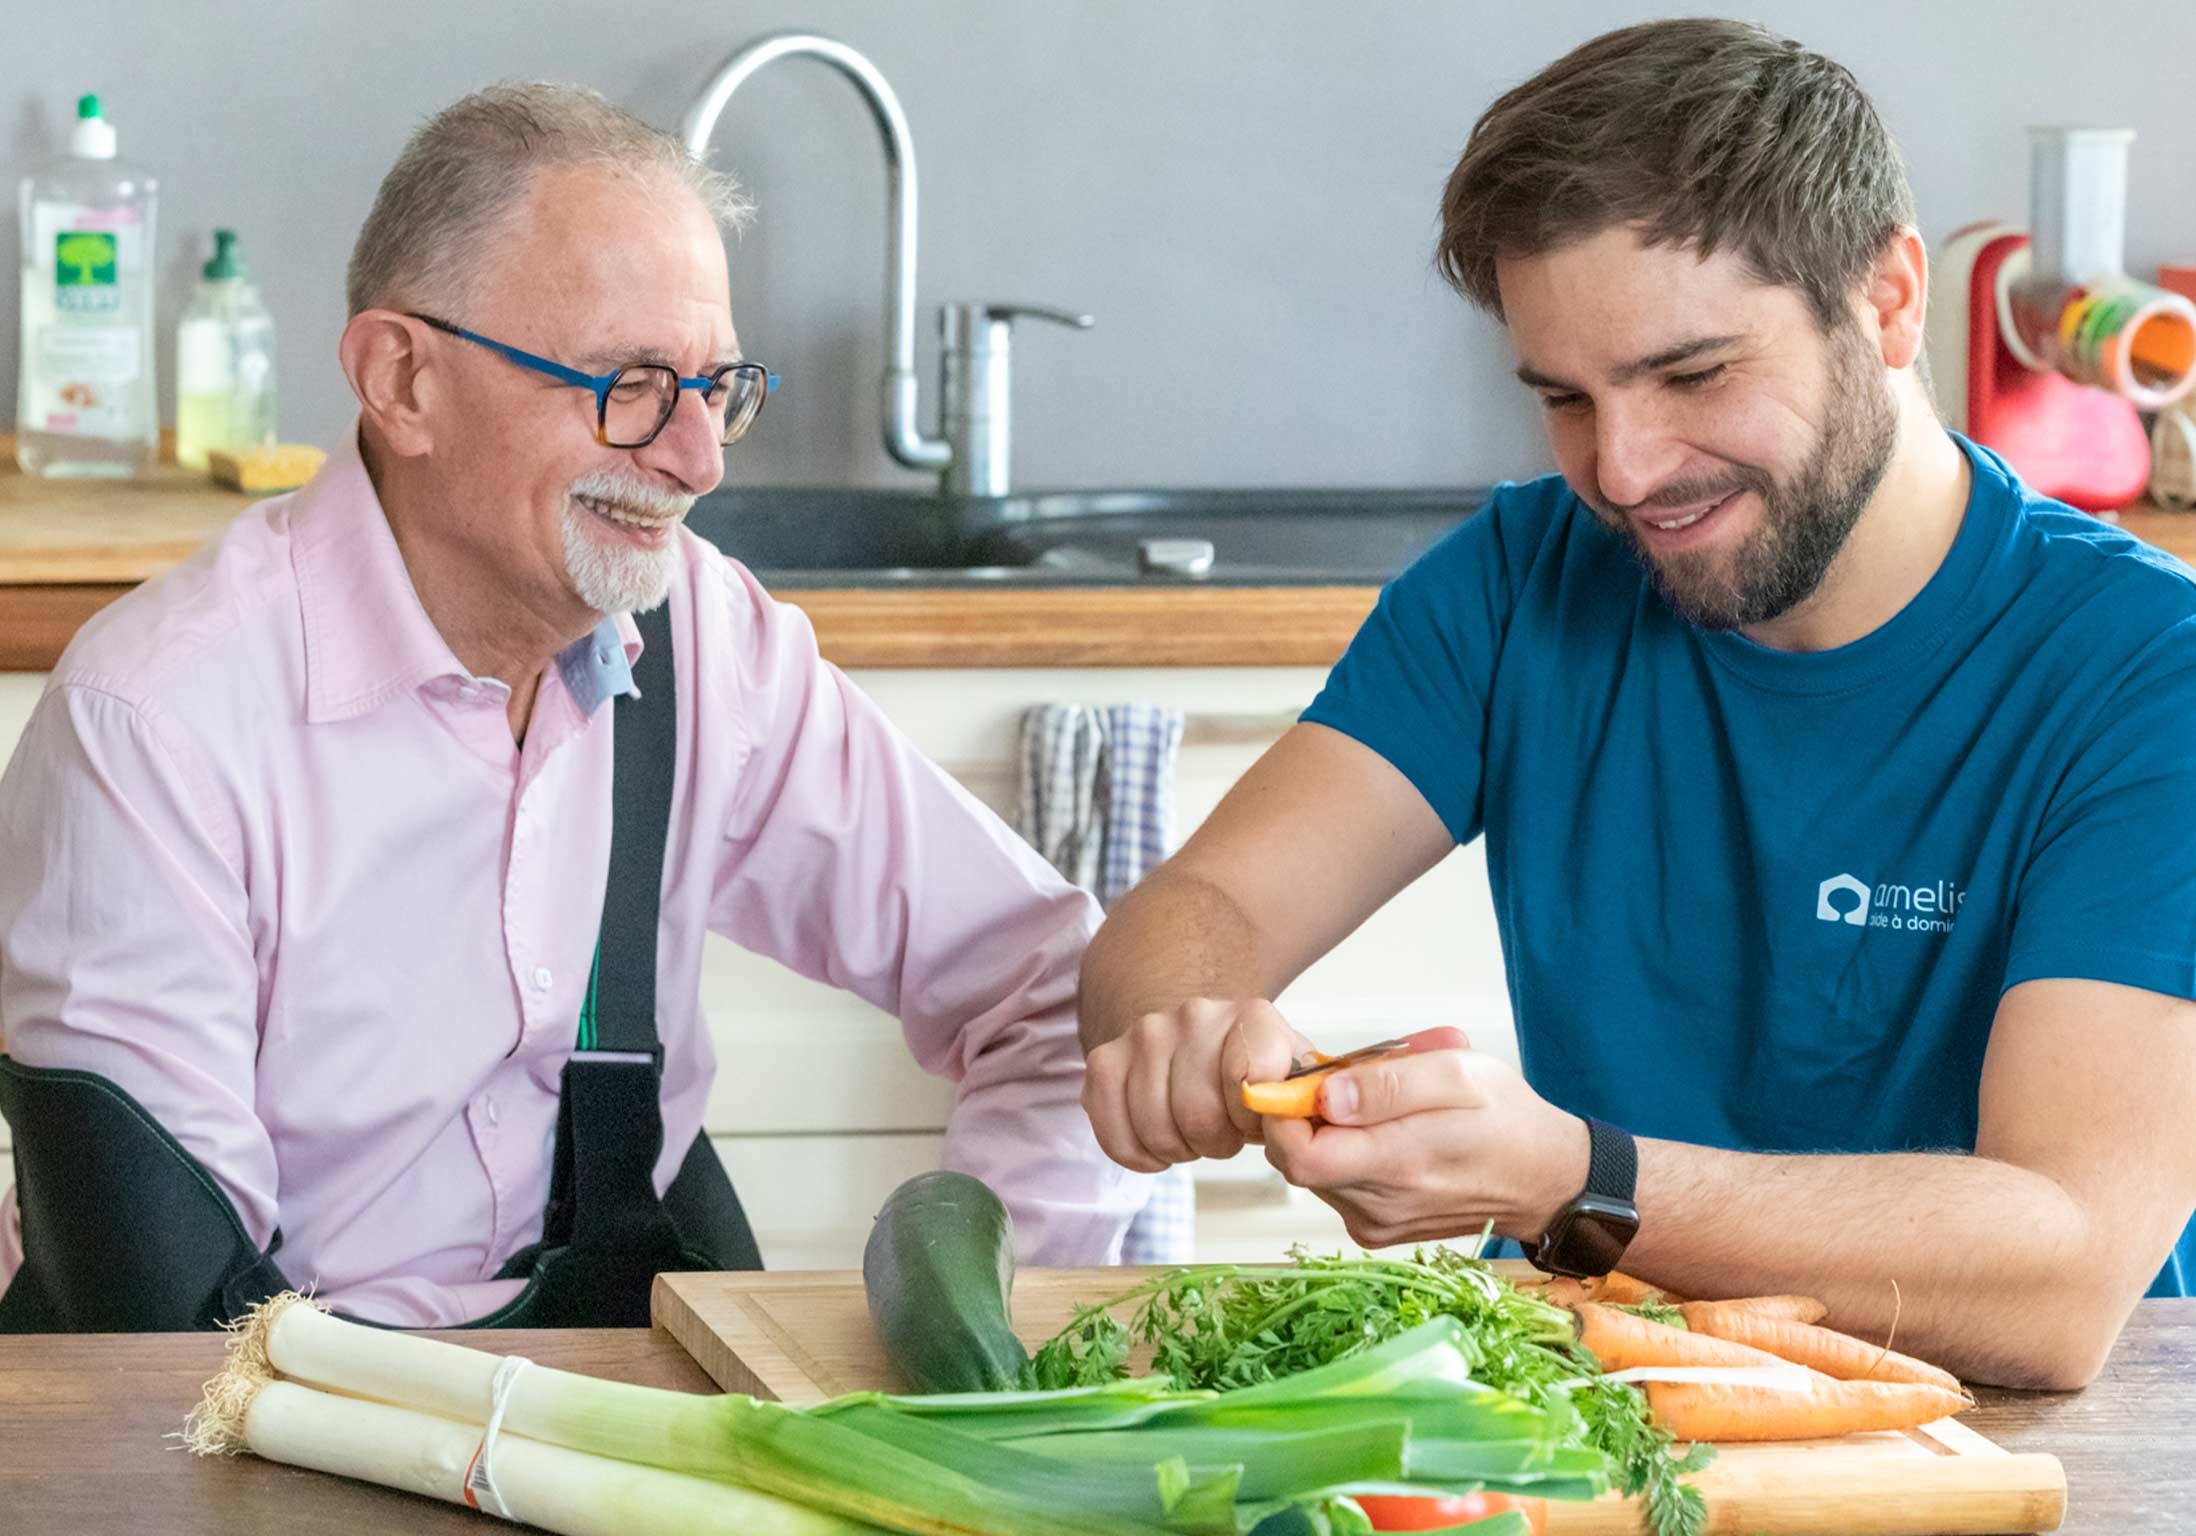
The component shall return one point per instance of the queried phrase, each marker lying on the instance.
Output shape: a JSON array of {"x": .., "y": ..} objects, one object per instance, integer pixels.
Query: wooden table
[{"x": 82, "y": 1420}]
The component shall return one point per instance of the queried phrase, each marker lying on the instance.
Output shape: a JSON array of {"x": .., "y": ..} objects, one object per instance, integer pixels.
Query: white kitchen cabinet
[
  {"x": 18, "y": 692},
  {"x": 817, "y": 1109}
]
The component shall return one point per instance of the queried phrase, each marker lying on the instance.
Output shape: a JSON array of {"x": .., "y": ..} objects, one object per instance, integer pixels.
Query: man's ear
[
  {"x": 384, "y": 356},
  {"x": 1897, "y": 296}
]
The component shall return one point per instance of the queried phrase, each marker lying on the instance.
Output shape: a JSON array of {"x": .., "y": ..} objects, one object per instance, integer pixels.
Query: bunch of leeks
[{"x": 1134, "y": 1458}]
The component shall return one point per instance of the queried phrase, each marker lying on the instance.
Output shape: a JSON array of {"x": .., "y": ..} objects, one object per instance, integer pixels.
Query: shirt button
[
  {"x": 542, "y": 978},
  {"x": 488, "y": 1108}
]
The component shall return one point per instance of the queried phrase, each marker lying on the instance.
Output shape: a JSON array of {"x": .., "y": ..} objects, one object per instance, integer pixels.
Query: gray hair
[{"x": 467, "y": 168}]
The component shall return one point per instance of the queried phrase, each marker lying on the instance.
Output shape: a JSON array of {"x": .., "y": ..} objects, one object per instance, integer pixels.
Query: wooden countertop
[
  {"x": 68, "y": 548},
  {"x": 82, "y": 1421}
]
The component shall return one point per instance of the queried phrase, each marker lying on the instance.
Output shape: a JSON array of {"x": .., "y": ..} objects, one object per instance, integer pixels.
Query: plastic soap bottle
[
  {"x": 85, "y": 403},
  {"x": 224, "y": 362}
]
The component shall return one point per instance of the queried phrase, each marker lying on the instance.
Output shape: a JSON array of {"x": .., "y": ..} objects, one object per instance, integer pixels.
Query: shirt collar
[
  {"x": 367, "y": 638},
  {"x": 600, "y": 666}
]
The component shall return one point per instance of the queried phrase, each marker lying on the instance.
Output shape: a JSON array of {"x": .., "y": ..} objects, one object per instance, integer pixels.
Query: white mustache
[{"x": 632, "y": 496}]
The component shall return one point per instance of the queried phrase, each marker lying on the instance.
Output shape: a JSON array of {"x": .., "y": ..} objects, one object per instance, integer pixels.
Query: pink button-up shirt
[{"x": 270, "y": 861}]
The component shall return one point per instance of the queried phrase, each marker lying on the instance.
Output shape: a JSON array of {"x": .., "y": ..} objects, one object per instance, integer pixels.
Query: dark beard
[{"x": 1804, "y": 522}]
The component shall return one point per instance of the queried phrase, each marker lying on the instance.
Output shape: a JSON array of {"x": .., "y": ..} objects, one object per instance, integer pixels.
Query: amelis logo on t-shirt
[{"x": 1901, "y": 908}]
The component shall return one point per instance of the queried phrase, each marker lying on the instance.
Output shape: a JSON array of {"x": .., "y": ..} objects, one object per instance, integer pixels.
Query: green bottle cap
[
  {"x": 87, "y": 107},
  {"x": 227, "y": 260}
]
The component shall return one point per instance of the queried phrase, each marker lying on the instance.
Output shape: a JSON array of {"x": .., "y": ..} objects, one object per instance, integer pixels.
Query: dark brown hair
[{"x": 1708, "y": 134}]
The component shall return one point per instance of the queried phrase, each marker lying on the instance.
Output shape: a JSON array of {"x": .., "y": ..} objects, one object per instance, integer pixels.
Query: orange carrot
[
  {"x": 1699, "y": 1411},
  {"x": 1800, "y": 1309},
  {"x": 1622, "y": 1340},
  {"x": 1295, "y": 1098},
  {"x": 1620, "y": 1289},
  {"x": 1560, "y": 1290},
  {"x": 1615, "y": 1287},
  {"x": 1822, "y": 1349}
]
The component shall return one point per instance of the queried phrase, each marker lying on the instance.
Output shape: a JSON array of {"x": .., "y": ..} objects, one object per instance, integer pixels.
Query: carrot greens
[{"x": 1223, "y": 1327}]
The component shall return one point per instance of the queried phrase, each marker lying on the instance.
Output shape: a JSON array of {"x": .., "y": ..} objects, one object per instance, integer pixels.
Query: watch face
[{"x": 1589, "y": 1237}]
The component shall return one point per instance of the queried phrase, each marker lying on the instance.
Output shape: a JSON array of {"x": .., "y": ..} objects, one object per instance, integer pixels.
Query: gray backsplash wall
[{"x": 1243, "y": 191}]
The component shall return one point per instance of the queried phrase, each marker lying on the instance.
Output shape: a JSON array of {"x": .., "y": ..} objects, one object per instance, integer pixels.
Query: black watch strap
[
  {"x": 1591, "y": 1232},
  {"x": 1612, "y": 1167}
]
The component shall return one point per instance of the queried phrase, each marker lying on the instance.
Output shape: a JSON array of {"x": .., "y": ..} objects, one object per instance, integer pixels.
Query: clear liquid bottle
[
  {"x": 224, "y": 361},
  {"x": 85, "y": 401}
]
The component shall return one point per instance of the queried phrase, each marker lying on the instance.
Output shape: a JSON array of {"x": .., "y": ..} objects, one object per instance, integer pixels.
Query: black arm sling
[{"x": 124, "y": 1231}]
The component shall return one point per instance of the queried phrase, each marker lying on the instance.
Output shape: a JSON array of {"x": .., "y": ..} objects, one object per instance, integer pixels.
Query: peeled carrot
[
  {"x": 1622, "y": 1341},
  {"x": 1800, "y": 1309},
  {"x": 1699, "y": 1411},
  {"x": 1822, "y": 1349},
  {"x": 1295, "y": 1098},
  {"x": 1298, "y": 1097}
]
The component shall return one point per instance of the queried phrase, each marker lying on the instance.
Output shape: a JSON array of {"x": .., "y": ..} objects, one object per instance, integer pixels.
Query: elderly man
[
  {"x": 323, "y": 960},
  {"x": 1837, "y": 788}
]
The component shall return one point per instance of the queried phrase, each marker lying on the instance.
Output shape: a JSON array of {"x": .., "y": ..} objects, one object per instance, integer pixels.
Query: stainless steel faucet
[
  {"x": 975, "y": 390},
  {"x": 974, "y": 455}
]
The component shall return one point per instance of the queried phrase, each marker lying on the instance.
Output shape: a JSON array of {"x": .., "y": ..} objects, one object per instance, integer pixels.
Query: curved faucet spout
[{"x": 904, "y": 439}]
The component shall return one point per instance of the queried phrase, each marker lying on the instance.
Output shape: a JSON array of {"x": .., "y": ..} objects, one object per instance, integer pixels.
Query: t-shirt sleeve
[
  {"x": 1414, "y": 683},
  {"x": 2109, "y": 892}
]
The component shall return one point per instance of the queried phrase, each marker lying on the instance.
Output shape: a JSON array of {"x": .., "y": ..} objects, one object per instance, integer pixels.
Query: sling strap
[{"x": 605, "y": 1234}]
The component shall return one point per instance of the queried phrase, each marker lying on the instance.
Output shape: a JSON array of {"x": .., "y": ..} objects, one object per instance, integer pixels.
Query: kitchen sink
[{"x": 811, "y": 537}]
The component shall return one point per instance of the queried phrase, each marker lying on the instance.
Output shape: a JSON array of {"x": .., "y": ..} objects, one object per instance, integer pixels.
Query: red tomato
[{"x": 1400, "y": 1512}]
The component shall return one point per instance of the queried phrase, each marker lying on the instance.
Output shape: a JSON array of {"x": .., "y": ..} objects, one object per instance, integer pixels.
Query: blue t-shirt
[{"x": 1765, "y": 900}]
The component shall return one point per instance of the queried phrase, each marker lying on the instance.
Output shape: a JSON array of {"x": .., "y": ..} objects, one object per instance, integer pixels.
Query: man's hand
[
  {"x": 1168, "y": 1089},
  {"x": 1171, "y": 1001},
  {"x": 1434, "y": 1143}
]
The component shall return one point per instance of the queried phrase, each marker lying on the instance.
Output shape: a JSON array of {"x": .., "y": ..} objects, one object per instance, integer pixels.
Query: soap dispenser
[{"x": 224, "y": 361}]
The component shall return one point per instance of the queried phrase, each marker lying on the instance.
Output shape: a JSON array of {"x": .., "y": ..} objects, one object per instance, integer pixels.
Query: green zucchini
[{"x": 938, "y": 1271}]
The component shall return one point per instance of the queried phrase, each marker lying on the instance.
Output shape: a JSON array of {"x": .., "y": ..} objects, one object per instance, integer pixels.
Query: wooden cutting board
[{"x": 803, "y": 1337}]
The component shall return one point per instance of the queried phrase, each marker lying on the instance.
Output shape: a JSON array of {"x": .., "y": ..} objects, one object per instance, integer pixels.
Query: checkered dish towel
[{"x": 1098, "y": 802}]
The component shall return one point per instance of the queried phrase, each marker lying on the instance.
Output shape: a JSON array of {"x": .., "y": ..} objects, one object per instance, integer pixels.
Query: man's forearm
[
  {"x": 1175, "y": 937},
  {"x": 1999, "y": 1277}
]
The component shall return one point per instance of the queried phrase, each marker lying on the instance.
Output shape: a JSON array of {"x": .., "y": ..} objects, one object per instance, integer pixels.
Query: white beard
[{"x": 610, "y": 577}]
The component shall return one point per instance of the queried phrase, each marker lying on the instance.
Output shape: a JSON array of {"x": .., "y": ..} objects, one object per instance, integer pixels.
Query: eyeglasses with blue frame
[{"x": 635, "y": 402}]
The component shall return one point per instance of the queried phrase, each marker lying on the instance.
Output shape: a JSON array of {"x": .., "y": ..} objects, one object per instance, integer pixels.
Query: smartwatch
[{"x": 1588, "y": 1236}]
